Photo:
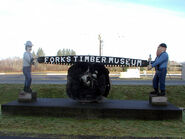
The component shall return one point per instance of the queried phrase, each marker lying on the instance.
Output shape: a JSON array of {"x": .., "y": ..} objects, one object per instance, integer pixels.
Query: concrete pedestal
[
  {"x": 158, "y": 100},
  {"x": 122, "y": 109},
  {"x": 27, "y": 97}
]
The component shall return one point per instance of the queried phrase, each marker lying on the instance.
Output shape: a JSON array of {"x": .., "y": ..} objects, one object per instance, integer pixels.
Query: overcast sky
[{"x": 129, "y": 28}]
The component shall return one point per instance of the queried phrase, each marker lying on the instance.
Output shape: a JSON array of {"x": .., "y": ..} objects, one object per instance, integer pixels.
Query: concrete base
[
  {"x": 123, "y": 109},
  {"x": 27, "y": 97},
  {"x": 158, "y": 100}
]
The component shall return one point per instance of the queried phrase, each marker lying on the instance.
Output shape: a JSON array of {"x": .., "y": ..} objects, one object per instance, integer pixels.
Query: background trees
[
  {"x": 65, "y": 52},
  {"x": 40, "y": 52},
  {"x": 14, "y": 64}
]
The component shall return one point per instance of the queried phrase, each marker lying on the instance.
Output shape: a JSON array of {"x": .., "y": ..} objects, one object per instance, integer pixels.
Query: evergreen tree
[
  {"x": 59, "y": 53},
  {"x": 66, "y": 52},
  {"x": 63, "y": 52},
  {"x": 73, "y": 52},
  {"x": 40, "y": 52},
  {"x": 33, "y": 54}
]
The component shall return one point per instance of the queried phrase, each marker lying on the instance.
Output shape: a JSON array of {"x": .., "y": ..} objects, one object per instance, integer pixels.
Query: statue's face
[
  {"x": 160, "y": 50},
  {"x": 29, "y": 48}
]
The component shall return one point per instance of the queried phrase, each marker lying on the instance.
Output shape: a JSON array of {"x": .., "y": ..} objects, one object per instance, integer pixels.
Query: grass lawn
[{"x": 34, "y": 125}]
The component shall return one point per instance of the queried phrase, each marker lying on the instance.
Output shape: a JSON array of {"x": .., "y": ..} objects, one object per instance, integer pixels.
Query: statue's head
[
  {"x": 161, "y": 48},
  {"x": 28, "y": 46}
]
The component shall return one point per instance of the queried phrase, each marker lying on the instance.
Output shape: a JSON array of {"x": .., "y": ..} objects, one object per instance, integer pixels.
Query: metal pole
[{"x": 100, "y": 44}]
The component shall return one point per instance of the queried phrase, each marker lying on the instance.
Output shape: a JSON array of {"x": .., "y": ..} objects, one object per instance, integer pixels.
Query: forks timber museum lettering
[{"x": 108, "y": 61}]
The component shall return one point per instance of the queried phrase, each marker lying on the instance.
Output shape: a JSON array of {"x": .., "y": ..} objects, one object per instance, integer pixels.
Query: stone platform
[{"x": 123, "y": 109}]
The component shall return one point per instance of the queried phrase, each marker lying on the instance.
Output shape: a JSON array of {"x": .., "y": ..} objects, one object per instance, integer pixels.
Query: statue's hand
[
  {"x": 149, "y": 67},
  {"x": 34, "y": 61}
]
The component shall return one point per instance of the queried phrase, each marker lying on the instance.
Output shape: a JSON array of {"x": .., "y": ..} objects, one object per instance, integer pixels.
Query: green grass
[
  {"x": 98, "y": 127},
  {"x": 176, "y": 94},
  {"x": 35, "y": 125}
]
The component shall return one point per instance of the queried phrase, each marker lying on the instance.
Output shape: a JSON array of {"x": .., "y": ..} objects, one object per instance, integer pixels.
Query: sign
[{"x": 108, "y": 61}]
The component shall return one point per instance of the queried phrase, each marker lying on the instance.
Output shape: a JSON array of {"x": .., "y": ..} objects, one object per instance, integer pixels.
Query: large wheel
[{"x": 87, "y": 82}]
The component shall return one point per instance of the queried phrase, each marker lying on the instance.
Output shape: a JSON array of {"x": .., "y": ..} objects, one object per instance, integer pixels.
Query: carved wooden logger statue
[{"x": 88, "y": 78}]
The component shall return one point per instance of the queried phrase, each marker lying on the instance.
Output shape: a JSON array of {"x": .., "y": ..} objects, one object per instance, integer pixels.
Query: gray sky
[{"x": 131, "y": 29}]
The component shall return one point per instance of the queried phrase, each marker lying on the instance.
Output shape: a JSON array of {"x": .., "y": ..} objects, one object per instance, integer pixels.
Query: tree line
[
  {"x": 15, "y": 64},
  {"x": 60, "y": 52}
]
